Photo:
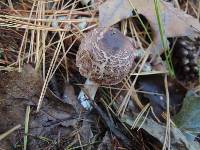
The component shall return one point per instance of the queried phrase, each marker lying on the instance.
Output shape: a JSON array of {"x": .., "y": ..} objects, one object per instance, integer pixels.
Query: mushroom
[{"x": 105, "y": 56}]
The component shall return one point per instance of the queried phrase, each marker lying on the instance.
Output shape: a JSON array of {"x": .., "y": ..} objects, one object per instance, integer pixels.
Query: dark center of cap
[{"x": 113, "y": 41}]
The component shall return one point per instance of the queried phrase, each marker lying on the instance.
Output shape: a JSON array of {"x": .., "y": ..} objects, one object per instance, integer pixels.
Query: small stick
[
  {"x": 127, "y": 143},
  {"x": 2, "y": 136}
]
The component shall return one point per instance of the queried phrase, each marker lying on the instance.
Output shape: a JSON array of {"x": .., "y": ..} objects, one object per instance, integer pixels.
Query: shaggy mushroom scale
[{"x": 105, "y": 56}]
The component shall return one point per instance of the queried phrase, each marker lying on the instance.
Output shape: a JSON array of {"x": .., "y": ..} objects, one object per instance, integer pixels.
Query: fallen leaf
[
  {"x": 70, "y": 98},
  {"x": 154, "y": 88},
  {"x": 106, "y": 143},
  {"x": 86, "y": 133},
  {"x": 188, "y": 118},
  {"x": 175, "y": 21},
  {"x": 177, "y": 138},
  {"x": 19, "y": 89}
]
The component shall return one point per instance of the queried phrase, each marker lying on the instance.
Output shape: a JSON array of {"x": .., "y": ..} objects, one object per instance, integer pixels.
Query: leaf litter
[
  {"x": 113, "y": 11},
  {"x": 20, "y": 90},
  {"x": 188, "y": 118},
  {"x": 62, "y": 122}
]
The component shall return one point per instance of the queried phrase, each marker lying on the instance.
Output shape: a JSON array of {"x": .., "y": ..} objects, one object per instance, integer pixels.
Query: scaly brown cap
[{"x": 105, "y": 56}]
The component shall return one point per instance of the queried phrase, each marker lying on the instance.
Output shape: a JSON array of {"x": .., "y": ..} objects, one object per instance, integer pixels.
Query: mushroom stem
[{"x": 88, "y": 93}]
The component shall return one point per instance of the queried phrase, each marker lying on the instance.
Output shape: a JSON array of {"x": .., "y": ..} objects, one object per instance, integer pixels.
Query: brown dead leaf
[
  {"x": 175, "y": 21},
  {"x": 18, "y": 90},
  {"x": 86, "y": 133},
  {"x": 70, "y": 98},
  {"x": 178, "y": 140},
  {"x": 106, "y": 143}
]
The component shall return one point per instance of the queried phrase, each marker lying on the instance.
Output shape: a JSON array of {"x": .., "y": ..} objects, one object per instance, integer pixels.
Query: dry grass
[{"x": 45, "y": 33}]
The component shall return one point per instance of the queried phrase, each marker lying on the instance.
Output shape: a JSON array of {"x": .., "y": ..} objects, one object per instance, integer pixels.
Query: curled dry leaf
[{"x": 175, "y": 21}]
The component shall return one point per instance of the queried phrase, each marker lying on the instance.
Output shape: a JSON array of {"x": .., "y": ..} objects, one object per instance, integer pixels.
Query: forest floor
[{"x": 153, "y": 106}]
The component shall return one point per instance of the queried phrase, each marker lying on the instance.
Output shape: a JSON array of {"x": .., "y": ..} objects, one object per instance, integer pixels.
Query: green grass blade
[
  {"x": 167, "y": 50},
  {"x": 26, "y": 127}
]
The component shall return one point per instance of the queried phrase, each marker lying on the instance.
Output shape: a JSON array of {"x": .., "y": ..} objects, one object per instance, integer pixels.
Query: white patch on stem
[{"x": 87, "y": 94}]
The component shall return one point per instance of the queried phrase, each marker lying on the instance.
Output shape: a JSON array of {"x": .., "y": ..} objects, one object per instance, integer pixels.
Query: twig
[{"x": 127, "y": 143}]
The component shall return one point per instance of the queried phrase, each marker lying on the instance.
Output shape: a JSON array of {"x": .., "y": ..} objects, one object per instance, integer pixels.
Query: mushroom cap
[{"x": 105, "y": 56}]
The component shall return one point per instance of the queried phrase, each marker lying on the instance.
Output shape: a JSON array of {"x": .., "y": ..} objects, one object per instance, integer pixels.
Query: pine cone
[{"x": 185, "y": 58}]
